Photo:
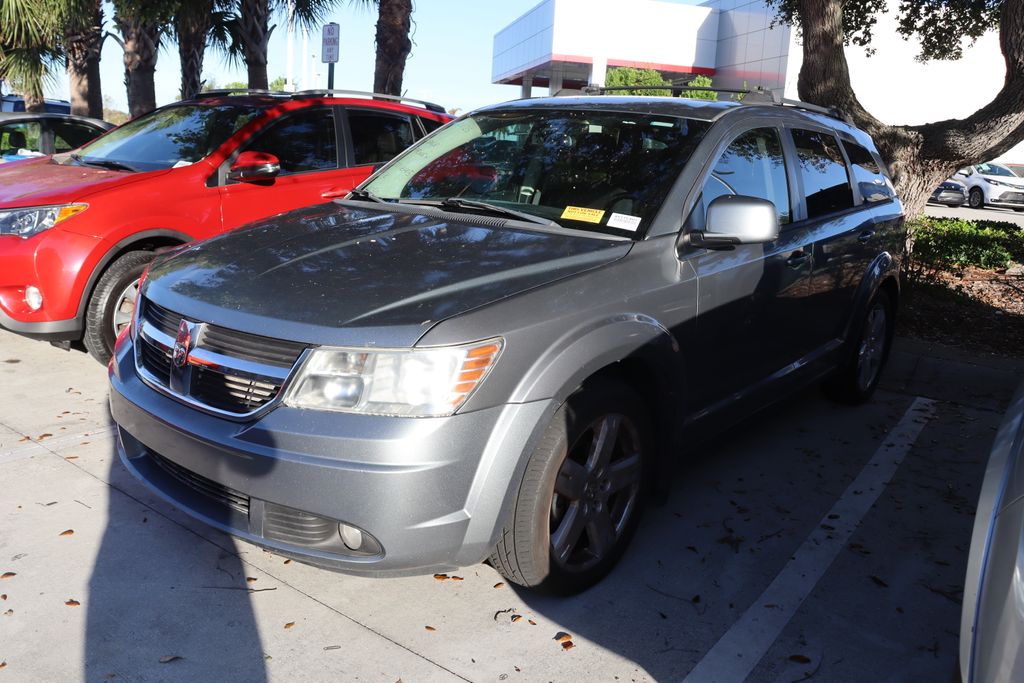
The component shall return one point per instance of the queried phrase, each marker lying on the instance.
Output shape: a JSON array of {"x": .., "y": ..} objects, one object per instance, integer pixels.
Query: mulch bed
[{"x": 976, "y": 310}]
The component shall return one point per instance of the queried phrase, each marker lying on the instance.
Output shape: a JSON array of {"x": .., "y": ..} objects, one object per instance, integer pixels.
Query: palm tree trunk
[
  {"x": 83, "y": 38},
  {"x": 394, "y": 21},
  {"x": 34, "y": 103},
  {"x": 254, "y": 34},
  {"x": 141, "y": 43},
  {"x": 192, "y": 29}
]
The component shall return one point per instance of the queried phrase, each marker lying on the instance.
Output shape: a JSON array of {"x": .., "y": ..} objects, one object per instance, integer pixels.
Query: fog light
[
  {"x": 33, "y": 297},
  {"x": 351, "y": 536}
]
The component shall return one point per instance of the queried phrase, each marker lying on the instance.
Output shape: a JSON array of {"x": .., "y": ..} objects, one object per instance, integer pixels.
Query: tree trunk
[
  {"x": 83, "y": 41},
  {"x": 34, "y": 103},
  {"x": 919, "y": 157},
  {"x": 141, "y": 43},
  {"x": 193, "y": 28},
  {"x": 394, "y": 21},
  {"x": 254, "y": 34}
]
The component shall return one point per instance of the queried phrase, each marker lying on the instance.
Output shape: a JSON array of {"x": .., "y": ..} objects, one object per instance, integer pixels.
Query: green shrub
[{"x": 949, "y": 243}]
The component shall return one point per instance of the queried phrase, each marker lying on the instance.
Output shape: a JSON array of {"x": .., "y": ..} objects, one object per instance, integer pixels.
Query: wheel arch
[{"x": 882, "y": 274}]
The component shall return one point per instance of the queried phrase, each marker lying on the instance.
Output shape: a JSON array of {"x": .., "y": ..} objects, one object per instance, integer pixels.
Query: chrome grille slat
[{"x": 231, "y": 373}]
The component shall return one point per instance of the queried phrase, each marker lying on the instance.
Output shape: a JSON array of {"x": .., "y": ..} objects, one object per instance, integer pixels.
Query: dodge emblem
[{"x": 182, "y": 344}]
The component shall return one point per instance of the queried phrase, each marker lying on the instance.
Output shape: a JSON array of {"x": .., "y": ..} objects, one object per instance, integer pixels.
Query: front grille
[
  {"x": 230, "y": 371},
  {"x": 211, "y": 489},
  {"x": 1015, "y": 197},
  {"x": 294, "y": 526}
]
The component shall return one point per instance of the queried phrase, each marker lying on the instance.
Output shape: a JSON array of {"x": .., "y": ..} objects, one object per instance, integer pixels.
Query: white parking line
[
  {"x": 737, "y": 652},
  {"x": 31, "y": 448}
]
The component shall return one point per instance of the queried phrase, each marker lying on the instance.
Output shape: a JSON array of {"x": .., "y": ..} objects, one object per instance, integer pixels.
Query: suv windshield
[
  {"x": 590, "y": 170},
  {"x": 168, "y": 137}
]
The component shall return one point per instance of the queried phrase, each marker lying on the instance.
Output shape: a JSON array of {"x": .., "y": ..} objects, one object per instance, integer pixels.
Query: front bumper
[
  {"x": 432, "y": 491},
  {"x": 1006, "y": 196},
  {"x": 55, "y": 262},
  {"x": 949, "y": 198}
]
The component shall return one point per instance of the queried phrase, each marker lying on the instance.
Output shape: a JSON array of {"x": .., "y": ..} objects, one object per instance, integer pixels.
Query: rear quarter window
[
  {"x": 823, "y": 170},
  {"x": 873, "y": 184}
]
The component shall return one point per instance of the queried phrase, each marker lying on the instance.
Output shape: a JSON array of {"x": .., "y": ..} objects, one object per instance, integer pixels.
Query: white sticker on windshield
[
  {"x": 181, "y": 163},
  {"x": 623, "y": 221}
]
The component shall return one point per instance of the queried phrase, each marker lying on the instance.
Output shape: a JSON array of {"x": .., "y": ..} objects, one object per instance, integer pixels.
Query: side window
[
  {"x": 872, "y": 183},
  {"x": 20, "y": 136},
  {"x": 303, "y": 142},
  {"x": 378, "y": 137},
  {"x": 752, "y": 165},
  {"x": 823, "y": 170},
  {"x": 430, "y": 125},
  {"x": 68, "y": 136}
]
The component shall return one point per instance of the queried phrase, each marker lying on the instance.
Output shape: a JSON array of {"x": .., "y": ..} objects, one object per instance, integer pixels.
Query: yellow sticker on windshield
[{"x": 579, "y": 213}]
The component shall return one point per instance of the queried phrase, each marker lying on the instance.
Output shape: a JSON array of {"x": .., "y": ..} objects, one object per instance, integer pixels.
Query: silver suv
[{"x": 488, "y": 349}]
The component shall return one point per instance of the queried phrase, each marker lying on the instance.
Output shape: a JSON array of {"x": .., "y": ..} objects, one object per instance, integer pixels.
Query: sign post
[{"x": 329, "y": 50}]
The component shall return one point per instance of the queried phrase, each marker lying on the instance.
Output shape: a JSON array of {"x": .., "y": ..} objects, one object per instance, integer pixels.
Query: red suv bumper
[{"x": 57, "y": 263}]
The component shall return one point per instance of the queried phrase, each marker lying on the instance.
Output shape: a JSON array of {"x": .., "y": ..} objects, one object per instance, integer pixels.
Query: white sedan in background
[{"x": 992, "y": 184}]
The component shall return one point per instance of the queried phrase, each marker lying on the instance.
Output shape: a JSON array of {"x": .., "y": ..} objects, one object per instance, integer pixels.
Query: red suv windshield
[{"x": 168, "y": 137}]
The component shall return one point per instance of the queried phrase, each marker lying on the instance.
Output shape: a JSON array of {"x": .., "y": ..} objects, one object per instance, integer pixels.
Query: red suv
[{"x": 77, "y": 229}]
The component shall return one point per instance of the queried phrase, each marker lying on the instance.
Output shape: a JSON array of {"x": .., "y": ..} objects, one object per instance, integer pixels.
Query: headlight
[
  {"x": 997, "y": 182},
  {"x": 418, "y": 382},
  {"x": 27, "y": 222}
]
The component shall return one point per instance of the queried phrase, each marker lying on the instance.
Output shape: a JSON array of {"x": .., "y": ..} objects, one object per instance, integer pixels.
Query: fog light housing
[
  {"x": 33, "y": 297},
  {"x": 351, "y": 536}
]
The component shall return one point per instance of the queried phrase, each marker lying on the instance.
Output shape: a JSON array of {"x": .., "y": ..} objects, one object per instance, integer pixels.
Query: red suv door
[{"x": 313, "y": 167}]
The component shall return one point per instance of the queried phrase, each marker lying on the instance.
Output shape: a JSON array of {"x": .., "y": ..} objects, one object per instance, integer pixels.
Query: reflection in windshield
[
  {"x": 168, "y": 137},
  {"x": 605, "y": 171}
]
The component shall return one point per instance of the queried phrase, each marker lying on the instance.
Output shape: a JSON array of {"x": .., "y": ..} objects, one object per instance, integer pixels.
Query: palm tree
[
  {"x": 29, "y": 47},
  {"x": 83, "y": 40},
  {"x": 394, "y": 20},
  {"x": 197, "y": 24},
  {"x": 142, "y": 27}
]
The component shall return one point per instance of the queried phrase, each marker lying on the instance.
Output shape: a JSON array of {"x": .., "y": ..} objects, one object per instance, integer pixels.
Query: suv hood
[
  {"x": 40, "y": 181},
  {"x": 339, "y": 275}
]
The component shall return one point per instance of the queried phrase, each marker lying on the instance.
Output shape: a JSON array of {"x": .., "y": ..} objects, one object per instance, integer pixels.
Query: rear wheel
[
  {"x": 112, "y": 303},
  {"x": 976, "y": 199},
  {"x": 582, "y": 493},
  {"x": 855, "y": 381}
]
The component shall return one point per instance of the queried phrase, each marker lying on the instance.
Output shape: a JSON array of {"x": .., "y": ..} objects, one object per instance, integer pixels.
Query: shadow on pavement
[{"x": 164, "y": 602}]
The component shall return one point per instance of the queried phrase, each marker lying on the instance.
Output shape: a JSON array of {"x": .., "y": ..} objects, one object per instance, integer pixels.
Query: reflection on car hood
[
  {"x": 40, "y": 181},
  {"x": 333, "y": 274}
]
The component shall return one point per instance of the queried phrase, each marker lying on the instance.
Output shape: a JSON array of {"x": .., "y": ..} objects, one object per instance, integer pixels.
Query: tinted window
[
  {"x": 377, "y": 138},
  {"x": 995, "y": 169},
  {"x": 872, "y": 183},
  {"x": 302, "y": 142},
  {"x": 430, "y": 125},
  {"x": 826, "y": 185},
  {"x": 68, "y": 136},
  {"x": 753, "y": 166},
  {"x": 19, "y": 137},
  {"x": 169, "y": 137}
]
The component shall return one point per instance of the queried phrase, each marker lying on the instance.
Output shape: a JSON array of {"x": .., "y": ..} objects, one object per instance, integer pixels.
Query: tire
[
  {"x": 976, "y": 199},
  {"x": 857, "y": 378},
  {"x": 109, "y": 308},
  {"x": 551, "y": 542}
]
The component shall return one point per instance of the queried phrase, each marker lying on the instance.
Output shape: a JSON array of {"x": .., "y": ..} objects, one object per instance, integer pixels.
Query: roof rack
[
  {"x": 756, "y": 96},
  {"x": 429, "y": 106}
]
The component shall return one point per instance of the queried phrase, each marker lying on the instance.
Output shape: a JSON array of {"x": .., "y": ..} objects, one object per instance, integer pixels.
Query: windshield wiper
[
  {"x": 366, "y": 195},
  {"x": 104, "y": 163},
  {"x": 459, "y": 203}
]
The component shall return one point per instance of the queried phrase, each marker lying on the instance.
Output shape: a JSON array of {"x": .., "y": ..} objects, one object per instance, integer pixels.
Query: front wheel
[
  {"x": 112, "y": 303},
  {"x": 856, "y": 379},
  {"x": 976, "y": 199},
  {"x": 582, "y": 493}
]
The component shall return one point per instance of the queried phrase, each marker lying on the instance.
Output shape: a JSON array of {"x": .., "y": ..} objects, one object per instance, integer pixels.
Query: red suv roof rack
[{"x": 429, "y": 106}]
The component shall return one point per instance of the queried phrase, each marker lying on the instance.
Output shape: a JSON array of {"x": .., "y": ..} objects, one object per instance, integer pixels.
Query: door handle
[
  {"x": 335, "y": 192},
  {"x": 798, "y": 259},
  {"x": 865, "y": 236}
]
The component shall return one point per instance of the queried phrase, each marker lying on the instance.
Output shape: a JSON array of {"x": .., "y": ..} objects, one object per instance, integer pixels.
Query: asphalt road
[
  {"x": 988, "y": 214},
  {"x": 814, "y": 540}
]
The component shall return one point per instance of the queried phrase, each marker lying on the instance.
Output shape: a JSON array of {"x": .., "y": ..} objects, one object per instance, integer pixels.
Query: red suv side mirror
[{"x": 253, "y": 167}]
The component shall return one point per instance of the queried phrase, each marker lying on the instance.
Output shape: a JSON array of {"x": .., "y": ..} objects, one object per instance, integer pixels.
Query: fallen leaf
[
  {"x": 800, "y": 659},
  {"x": 457, "y": 578},
  {"x": 12, "y": 361},
  {"x": 499, "y": 585},
  {"x": 516, "y": 668},
  {"x": 8, "y": 613},
  {"x": 68, "y": 532},
  {"x": 250, "y": 579},
  {"x": 169, "y": 658},
  {"x": 289, "y": 624},
  {"x": 562, "y": 637},
  {"x": 430, "y": 628},
  {"x": 287, "y": 561},
  {"x": 3, "y": 664},
  {"x": 532, "y": 622},
  {"x": 568, "y": 645},
  {"x": 441, "y": 577},
  {"x": 45, "y": 435},
  {"x": 3, "y": 596},
  {"x": 72, "y": 603},
  {"x": 8, "y": 575},
  {"x": 24, "y": 439},
  {"x": 879, "y": 582},
  {"x": 516, "y": 617},
  {"x": 71, "y": 457}
]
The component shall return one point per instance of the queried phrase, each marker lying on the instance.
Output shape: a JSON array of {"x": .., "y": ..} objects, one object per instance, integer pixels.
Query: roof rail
[
  {"x": 429, "y": 106},
  {"x": 220, "y": 92},
  {"x": 756, "y": 96}
]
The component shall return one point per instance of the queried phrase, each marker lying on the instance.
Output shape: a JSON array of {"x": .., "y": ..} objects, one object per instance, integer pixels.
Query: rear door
[
  {"x": 312, "y": 167},
  {"x": 750, "y": 299}
]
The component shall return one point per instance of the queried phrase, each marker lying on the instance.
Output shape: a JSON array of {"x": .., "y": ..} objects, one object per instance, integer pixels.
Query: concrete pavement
[{"x": 139, "y": 591}]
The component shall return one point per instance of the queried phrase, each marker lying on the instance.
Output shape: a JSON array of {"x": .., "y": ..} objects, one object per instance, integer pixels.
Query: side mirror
[
  {"x": 254, "y": 167},
  {"x": 736, "y": 219}
]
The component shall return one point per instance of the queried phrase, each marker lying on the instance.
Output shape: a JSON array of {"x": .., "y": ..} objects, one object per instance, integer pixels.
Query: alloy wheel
[
  {"x": 871, "y": 352},
  {"x": 124, "y": 308}
]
